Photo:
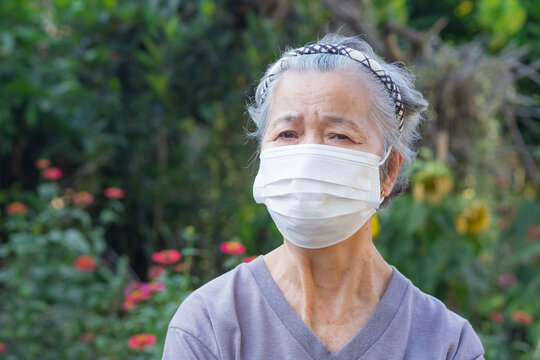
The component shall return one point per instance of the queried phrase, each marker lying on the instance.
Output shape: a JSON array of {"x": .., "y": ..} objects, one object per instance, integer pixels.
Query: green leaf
[
  {"x": 74, "y": 240},
  {"x": 158, "y": 83}
]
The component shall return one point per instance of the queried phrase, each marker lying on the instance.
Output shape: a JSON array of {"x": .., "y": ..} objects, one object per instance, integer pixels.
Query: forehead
[{"x": 316, "y": 93}]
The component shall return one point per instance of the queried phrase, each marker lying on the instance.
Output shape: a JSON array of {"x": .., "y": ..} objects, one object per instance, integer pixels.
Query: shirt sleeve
[
  {"x": 469, "y": 346},
  {"x": 180, "y": 344}
]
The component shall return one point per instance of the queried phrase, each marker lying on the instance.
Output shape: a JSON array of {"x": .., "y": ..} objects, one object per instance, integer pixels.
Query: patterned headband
[{"x": 356, "y": 55}]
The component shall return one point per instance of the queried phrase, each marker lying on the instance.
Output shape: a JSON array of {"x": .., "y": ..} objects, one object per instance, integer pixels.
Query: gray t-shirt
[{"x": 243, "y": 315}]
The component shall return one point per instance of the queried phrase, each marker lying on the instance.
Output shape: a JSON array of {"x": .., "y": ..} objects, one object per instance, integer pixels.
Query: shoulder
[
  {"x": 214, "y": 300},
  {"x": 205, "y": 314},
  {"x": 431, "y": 319}
]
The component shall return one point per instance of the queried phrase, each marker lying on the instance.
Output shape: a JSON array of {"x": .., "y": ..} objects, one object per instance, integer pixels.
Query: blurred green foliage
[
  {"x": 477, "y": 252},
  {"x": 53, "y": 308},
  {"x": 150, "y": 97}
]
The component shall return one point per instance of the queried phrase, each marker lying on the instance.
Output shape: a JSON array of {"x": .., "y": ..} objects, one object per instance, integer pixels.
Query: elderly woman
[{"x": 336, "y": 126}]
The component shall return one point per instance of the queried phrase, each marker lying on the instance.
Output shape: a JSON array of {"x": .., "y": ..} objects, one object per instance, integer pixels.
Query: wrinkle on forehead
[{"x": 297, "y": 88}]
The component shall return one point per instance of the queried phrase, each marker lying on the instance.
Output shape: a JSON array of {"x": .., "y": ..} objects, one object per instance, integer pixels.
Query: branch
[
  {"x": 526, "y": 71},
  {"x": 418, "y": 39},
  {"x": 348, "y": 12},
  {"x": 393, "y": 47},
  {"x": 521, "y": 147},
  {"x": 534, "y": 126},
  {"x": 526, "y": 112},
  {"x": 415, "y": 36}
]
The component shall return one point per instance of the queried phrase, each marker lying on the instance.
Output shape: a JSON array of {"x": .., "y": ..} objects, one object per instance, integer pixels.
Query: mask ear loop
[{"x": 385, "y": 157}]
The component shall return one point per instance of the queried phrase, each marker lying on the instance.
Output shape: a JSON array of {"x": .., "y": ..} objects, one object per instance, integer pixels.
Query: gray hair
[{"x": 382, "y": 106}]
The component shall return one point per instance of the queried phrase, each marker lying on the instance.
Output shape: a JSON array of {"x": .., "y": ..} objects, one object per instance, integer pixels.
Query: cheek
[{"x": 266, "y": 141}]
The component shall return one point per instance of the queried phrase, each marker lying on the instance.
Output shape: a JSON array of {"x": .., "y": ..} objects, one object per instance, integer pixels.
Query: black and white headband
[{"x": 356, "y": 55}]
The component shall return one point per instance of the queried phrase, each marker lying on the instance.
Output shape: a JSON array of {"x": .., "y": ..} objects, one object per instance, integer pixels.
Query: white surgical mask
[{"x": 318, "y": 195}]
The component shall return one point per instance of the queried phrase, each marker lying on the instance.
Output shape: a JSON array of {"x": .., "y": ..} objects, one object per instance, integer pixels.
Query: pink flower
[
  {"x": 497, "y": 317},
  {"x": 138, "y": 295},
  {"x": 42, "y": 163},
  {"x": 52, "y": 173},
  {"x": 83, "y": 198},
  {"x": 85, "y": 263},
  {"x": 137, "y": 292},
  {"x": 155, "y": 271},
  {"x": 165, "y": 257},
  {"x": 141, "y": 341},
  {"x": 131, "y": 286},
  {"x": 156, "y": 286},
  {"x": 232, "y": 248},
  {"x": 145, "y": 288},
  {"x": 2, "y": 347},
  {"x": 522, "y": 317},
  {"x": 114, "y": 193},
  {"x": 506, "y": 281},
  {"x": 249, "y": 258},
  {"x": 16, "y": 208}
]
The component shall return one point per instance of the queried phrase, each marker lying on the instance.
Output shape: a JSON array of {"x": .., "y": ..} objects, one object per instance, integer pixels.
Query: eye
[
  {"x": 287, "y": 135},
  {"x": 339, "y": 137}
]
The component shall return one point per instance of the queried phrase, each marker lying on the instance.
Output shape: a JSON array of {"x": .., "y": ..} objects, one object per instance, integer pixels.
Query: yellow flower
[
  {"x": 474, "y": 220},
  {"x": 58, "y": 203},
  {"x": 432, "y": 183},
  {"x": 464, "y": 8},
  {"x": 375, "y": 226}
]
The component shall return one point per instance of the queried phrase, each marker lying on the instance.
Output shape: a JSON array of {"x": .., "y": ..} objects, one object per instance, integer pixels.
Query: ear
[{"x": 394, "y": 164}]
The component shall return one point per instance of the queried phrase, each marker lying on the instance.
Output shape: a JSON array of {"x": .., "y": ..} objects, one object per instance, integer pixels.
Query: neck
[{"x": 339, "y": 278}]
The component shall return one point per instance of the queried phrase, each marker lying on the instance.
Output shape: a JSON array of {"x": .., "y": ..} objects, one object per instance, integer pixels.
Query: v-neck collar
[{"x": 367, "y": 336}]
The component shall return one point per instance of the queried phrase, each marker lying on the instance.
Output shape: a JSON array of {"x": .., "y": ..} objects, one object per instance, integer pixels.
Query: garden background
[{"x": 126, "y": 176}]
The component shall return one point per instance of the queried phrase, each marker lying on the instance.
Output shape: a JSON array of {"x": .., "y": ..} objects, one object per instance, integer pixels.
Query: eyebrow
[
  {"x": 281, "y": 119},
  {"x": 342, "y": 120},
  {"x": 332, "y": 119}
]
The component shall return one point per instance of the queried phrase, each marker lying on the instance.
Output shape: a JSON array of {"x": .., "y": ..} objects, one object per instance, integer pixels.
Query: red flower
[
  {"x": 232, "y": 248},
  {"x": 522, "y": 317},
  {"x": 496, "y": 316},
  {"x": 129, "y": 304},
  {"x": 85, "y": 263},
  {"x": 165, "y": 257},
  {"x": 42, "y": 163},
  {"x": 86, "y": 337},
  {"x": 52, "y": 173},
  {"x": 155, "y": 271},
  {"x": 16, "y": 208},
  {"x": 506, "y": 281},
  {"x": 114, "y": 193},
  {"x": 83, "y": 198},
  {"x": 138, "y": 295},
  {"x": 249, "y": 258},
  {"x": 137, "y": 292},
  {"x": 141, "y": 341},
  {"x": 2, "y": 347},
  {"x": 533, "y": 232}
]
